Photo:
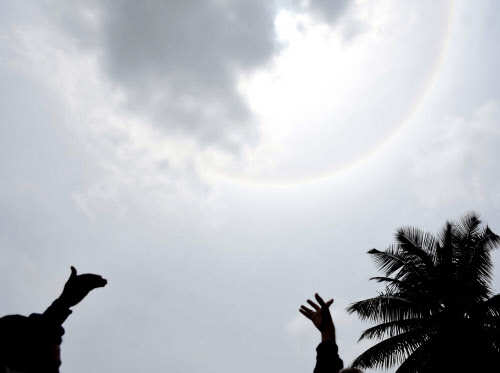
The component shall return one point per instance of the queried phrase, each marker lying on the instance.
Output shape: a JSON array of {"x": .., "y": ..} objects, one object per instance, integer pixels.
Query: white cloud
[{"x": 457, "y": 159}]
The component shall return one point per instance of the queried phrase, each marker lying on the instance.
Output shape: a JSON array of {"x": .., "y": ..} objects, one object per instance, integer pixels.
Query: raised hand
[
  {"x": 320, "y": 317},
  {"x": 78, "y": 286}
]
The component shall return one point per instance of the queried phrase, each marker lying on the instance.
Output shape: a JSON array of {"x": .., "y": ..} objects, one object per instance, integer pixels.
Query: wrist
[
  {"x": 62, "y": 302},
  {"x": 328, "y": 336}
]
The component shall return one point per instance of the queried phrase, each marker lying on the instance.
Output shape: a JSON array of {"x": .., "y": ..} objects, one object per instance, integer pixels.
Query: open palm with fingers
[{"x": 320, "y": 316}]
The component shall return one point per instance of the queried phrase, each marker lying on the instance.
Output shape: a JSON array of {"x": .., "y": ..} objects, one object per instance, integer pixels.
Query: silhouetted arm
[
  {"x": 327, "y": 357},
  {"x": 76, "y": 288},
  {"x": 57, "y": 312}
]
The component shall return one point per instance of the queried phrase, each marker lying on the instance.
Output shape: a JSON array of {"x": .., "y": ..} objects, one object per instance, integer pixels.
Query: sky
[{"x": 220, "y": 161}]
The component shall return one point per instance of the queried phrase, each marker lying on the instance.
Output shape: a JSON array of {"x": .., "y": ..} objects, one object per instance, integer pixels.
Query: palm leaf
[
  {"x": 444, "y": 254},
  {"x": 467, "y": 227},
  {"x": 386, "y": 308},
  {"x": 411, "y": 241},
  {"x": 392, "y": 328},
  {"x": 392, "y": 350},
  {"x": 388, "y": 261},
  {"x": 418, "y": 361}
]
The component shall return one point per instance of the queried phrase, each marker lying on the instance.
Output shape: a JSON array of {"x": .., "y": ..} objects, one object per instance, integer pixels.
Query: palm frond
[
  {"x": 474, "y": 264},
  {"x": 407, "y": 288},
  {"x": 417, "y": 362},
  {"x": 480, "y": 267},
  {"x": 445, "y": 249},
  {"x": 392, "y": 328},
  {"x": 388, "y": 261},
  {"x": 411, "y": 241},
  {"x": 392, "y": 351},
  {"x": 491, "y": 239},
  {"x": 430, "y": 245},
  {"x": 468, "y": 226},
  {"x": 488, "y": 308},
  {"x": 386, "y": 308}
]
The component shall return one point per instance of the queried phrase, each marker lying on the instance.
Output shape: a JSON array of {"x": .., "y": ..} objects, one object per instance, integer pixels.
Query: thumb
[
  {"x": 329, "y": 303},
  {"x": 73, "y": 273}
]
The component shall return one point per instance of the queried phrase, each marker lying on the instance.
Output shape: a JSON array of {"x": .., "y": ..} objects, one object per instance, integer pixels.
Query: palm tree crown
[{"x": 437, "y": 312}]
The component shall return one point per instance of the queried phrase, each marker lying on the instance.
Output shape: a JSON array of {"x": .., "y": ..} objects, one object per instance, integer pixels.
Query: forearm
[
  {"x": 327, "y": 357},
  {"x": 328, "y": 335},
  {"x": 58, "y": 311}
]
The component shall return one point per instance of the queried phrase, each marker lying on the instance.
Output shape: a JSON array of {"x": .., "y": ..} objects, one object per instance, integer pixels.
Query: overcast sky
[{"x": 220, "y": 161}]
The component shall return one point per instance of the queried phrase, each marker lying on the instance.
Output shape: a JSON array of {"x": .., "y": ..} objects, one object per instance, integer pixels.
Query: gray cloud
[
  {"x": 178, "y": 61},
  {"x": 334, "y": 13},
  {"x": 326, "y": 10}
]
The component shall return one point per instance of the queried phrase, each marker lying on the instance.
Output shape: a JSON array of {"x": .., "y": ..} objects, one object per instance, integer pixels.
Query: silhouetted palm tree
[{"x": 437, "y": 312}]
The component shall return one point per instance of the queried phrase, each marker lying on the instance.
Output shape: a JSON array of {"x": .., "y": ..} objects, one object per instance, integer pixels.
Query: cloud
[
  {"x": 326, "y": 10},
  {"x": 339, "y": 15},
  {"x": 177, "y": 62},
  {"x": 458, "y": 159},
  {"x": 325, "y": 104}
]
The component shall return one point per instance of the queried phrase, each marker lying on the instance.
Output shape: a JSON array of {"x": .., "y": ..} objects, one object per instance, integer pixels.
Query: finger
[
  {"x": 305, "y": 314},
  {"x": 314, "y": 305},
  {"x": 306, "y": 309},
  {"x": 329, "y": 303},
  {"x": 319, "y": 299},
  {"x": 73, "y": 272},
  {"x": 90, "y": 277},
  {"x": 96, "y": 281},
  {"x": 101, "y": 282}
]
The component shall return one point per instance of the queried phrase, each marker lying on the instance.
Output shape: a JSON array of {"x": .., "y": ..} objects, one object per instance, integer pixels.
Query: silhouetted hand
[
  {"x": 321, "y": 317},
  {"x": 78, "y": 286}
]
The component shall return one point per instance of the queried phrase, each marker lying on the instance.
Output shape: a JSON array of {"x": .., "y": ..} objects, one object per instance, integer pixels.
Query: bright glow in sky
[{"x": 320, "y": 102}]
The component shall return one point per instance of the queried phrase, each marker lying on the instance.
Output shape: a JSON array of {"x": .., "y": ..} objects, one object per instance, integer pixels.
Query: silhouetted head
[
  {"x": 30, "y": 344},
  {"x": 351, "y": 370}
]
